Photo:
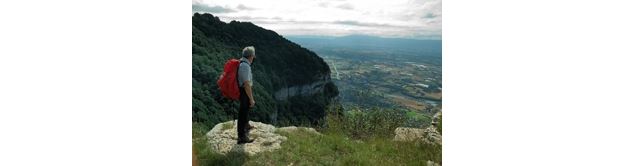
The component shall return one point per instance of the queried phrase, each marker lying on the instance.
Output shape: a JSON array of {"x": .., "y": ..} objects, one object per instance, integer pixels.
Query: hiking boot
[{"x": 242, "y": 141}]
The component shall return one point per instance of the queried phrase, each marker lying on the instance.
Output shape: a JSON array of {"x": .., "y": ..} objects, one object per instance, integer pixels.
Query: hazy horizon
[{"x": 352, "y": 35}]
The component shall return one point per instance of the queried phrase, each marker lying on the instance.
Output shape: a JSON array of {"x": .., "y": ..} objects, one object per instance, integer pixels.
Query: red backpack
[{"x": 228, "y": 80}]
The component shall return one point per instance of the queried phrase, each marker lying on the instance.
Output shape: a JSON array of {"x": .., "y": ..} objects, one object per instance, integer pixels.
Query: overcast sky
[{"x": 418, "y": 19}]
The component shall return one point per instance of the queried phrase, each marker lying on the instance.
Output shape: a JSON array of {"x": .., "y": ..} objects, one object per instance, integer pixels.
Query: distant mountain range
[{"x": 369, "y": 42}]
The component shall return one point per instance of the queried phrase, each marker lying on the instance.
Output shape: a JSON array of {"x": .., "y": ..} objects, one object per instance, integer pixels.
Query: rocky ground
[{"x": 223, "y": 137}]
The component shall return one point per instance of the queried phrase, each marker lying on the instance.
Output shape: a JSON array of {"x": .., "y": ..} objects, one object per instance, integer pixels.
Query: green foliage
[
  {"x": 364, "y": 124},
  {"x": 417, "y": 119},
  {"x": 199, "y": 130},
  {"x": 280, "y": 63}
]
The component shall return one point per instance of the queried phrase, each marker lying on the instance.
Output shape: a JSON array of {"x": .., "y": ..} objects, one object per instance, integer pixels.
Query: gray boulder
[{"x": 223, "y": 138}]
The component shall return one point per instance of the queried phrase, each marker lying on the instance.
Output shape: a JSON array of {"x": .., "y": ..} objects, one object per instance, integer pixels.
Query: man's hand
[{"x": 252, "y": 103}]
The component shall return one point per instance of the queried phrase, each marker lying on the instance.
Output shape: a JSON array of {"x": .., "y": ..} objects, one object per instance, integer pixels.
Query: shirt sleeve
[{"x": 244, "y": 73}]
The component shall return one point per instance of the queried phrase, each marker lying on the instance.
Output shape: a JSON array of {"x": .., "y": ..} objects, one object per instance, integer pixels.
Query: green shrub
[{"x": 364, "y": 124}]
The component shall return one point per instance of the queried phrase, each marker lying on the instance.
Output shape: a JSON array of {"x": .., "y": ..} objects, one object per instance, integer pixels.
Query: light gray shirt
[{"x": 244, "y": 73}]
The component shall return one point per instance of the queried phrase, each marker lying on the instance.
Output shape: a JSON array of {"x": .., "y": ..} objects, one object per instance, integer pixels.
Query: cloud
[
  {"x": 278, "y": 20},
  {"x": 430, "y": 15},
  {"x": 243, "y": 7},
  {"x": 390, "y": 18},
  {"x": 197, "y": 7},
  {"x": 323, "y": 4},
  {"x": 346, "y": 6},
  {"x": 251, "y": 19},
  {"x": 357, "y": 23}
]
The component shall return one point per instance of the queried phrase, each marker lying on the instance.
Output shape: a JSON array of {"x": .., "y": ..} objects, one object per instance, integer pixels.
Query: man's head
[{"x": 249, "y": 52}]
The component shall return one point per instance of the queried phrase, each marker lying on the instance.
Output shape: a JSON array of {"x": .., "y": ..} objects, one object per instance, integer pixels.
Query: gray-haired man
[{"x": 245, "y": 83}]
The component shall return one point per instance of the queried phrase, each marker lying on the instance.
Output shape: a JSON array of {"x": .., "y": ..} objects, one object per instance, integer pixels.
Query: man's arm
[{"x": 252, "y": 102}]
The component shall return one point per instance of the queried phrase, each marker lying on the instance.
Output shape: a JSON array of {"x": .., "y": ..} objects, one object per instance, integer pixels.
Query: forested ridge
[{"x": 280, "y": 64}]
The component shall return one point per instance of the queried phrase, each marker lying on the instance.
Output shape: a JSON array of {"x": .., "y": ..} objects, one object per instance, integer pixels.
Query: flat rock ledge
[{"x": 223, "y": 137}]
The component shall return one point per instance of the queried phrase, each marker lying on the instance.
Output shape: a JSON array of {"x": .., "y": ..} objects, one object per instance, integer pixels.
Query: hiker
[{"x": 247, "y": 101}]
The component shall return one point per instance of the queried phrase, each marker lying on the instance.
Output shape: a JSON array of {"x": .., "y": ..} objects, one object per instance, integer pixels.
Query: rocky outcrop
[
  {"x": 431, "y": 163},
  {"x": 436, "y": 118},
  {"x": 223, "y": 137},
  {"x": 428, "y": 135},
  {"x": 408, "y": 134}
]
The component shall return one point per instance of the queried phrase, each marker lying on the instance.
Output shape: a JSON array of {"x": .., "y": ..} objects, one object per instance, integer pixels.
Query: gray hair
[{"x": 249, "y": 51}]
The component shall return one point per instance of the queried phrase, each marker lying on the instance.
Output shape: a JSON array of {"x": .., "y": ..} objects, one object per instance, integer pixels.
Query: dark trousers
[{"x": 243, "y": 115}]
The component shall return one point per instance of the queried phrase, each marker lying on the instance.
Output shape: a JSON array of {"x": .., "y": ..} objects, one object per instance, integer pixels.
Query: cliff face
[
  {"x": 303, "y": 90},
  {"x": 291, "y": 84}
]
